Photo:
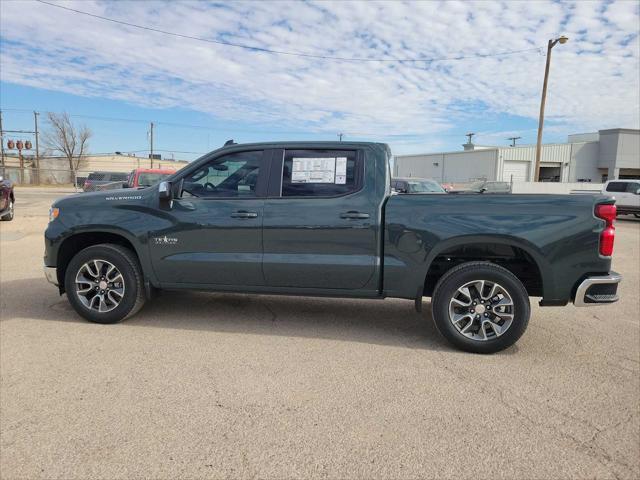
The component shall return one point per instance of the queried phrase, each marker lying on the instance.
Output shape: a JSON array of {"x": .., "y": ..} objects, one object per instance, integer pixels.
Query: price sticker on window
[{"x": 313, "y": 170}]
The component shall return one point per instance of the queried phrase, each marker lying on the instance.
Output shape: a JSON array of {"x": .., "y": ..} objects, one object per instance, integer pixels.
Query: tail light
[{"x": 608, "y": 214}]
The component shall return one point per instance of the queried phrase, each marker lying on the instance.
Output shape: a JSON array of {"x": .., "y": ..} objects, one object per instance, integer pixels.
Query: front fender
[{"x": 129, "y": 222}]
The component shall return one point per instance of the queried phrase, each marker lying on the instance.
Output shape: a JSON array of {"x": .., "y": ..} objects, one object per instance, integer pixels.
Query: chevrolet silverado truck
[{"x": 319, "y": 219}]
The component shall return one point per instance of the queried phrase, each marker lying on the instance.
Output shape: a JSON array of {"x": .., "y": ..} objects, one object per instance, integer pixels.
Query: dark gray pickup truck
[{"x": 318, "y": 218}]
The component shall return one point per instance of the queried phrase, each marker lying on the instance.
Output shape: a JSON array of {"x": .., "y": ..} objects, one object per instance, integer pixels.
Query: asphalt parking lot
[{"x": 228, "y": 386}]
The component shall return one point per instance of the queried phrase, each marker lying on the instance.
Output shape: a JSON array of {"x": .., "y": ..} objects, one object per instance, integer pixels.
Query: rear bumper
[
  {"x": 51, "y": 275},
  {"x": 598, "y": 290},
  {"x": 627, "y": 210}
]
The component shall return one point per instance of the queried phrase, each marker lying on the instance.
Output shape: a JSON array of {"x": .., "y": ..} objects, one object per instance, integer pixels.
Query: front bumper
[
  {"x": 598, "y": 290},
  {"x": 51, "y": 274}
]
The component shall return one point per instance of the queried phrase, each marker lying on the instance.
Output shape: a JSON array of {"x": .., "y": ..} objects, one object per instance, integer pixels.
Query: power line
[
  {"x": 290, "y": 53},
  {"x": 352, "y": 134},
  {"x": 208, "y": 127}
]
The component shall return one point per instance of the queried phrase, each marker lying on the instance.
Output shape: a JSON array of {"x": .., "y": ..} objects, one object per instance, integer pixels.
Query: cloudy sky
[{"x": 55, "y": 59}]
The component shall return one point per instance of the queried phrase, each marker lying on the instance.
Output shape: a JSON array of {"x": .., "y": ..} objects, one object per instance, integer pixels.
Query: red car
[
  {"x": 7, "y": 199},
  {"x": 146, "y": 177}
]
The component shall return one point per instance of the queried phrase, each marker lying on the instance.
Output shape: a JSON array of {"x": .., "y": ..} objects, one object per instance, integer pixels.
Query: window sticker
[{"x": 314, "y": 170}]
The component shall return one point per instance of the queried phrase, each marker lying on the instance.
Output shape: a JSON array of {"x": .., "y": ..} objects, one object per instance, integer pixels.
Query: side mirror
[
  {"x": 164, "y": 191},
  {"x": 176, "y": 188},
  {"x": 637, "y": 191}
]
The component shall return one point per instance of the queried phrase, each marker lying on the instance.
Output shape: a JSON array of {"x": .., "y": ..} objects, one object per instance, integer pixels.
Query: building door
[{"x": 516, "y": 171}]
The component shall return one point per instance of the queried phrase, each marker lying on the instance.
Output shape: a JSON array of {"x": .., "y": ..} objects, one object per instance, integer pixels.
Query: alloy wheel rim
[
  {"x": 481, "y": 310},
  {"x": 99, "y": 285}
]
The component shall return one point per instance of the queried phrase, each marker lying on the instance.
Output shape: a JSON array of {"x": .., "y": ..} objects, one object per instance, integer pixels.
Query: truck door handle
[
  {"x": 354, "y": 215},
  {"x": 243, "y": 214}
]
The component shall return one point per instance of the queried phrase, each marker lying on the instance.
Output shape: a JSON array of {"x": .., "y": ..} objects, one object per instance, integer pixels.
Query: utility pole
[
  {"x": 469, "y": 145},
  {"x": 550, "y": 45},
  {"x": 35, "y": 122},
  {"x": 513, "y": 140},
  {"x": 1, "y": 141},
  {"x": 151, "y": 144}
]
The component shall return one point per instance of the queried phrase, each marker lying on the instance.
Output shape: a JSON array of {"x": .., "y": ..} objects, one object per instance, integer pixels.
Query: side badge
[{"x": 165, "y": 240}]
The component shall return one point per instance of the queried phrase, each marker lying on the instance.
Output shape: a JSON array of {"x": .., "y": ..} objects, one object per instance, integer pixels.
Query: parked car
[
  {"x": 101, "y": 180},
  {"x": 627, "y": 195},
  {"x": 146, "y": 177},
  {"x": 416, "y": 185},
  {"x": 7, "y": 200},
  {"x": 307, "y": 218},
  {"x": 485, "y": 186}
]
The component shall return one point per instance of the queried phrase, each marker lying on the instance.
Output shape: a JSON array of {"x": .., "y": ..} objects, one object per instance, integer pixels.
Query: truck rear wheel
[
  {"x": 480, "y": 307},
  {"x": 104, "y": 283}
]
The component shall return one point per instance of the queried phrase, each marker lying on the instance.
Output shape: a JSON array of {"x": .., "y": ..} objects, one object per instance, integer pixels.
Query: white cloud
[{"x": 594, "y": 82}]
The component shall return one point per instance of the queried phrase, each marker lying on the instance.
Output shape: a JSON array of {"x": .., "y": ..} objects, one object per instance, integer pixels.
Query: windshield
[
  {"x": 148, "y": 179},
  {"x": 424, "y": 186}
]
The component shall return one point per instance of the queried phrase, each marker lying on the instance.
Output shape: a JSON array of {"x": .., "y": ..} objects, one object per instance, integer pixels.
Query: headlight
[{"x": 53, "y": 213}]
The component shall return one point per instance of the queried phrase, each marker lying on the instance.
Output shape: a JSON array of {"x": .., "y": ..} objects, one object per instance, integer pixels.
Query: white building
[{"x": 590, "y": 157}]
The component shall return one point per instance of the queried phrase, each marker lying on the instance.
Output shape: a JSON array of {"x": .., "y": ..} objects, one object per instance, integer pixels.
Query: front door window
[{"x": 233, "y": 175}]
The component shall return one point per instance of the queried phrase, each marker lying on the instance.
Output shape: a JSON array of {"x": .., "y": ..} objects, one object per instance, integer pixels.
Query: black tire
[
  {"x": 127, "y": 263},
  {"x": 457, "y": 277},
  {"x": 7, "y": 217}
]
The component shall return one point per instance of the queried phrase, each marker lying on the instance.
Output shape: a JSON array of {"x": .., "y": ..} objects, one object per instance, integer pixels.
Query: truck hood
[{"x": 122, "y": 196}]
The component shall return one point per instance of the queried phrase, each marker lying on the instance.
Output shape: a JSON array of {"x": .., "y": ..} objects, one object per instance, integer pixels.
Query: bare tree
[{"x": 66, "y": 138}]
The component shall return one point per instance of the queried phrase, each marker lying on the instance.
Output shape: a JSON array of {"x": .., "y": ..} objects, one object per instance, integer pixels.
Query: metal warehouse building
[{"x": 590, "y": 157}]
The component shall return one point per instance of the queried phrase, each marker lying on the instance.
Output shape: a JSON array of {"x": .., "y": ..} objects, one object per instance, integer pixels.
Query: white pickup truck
[{"x": 627, "y": 195}]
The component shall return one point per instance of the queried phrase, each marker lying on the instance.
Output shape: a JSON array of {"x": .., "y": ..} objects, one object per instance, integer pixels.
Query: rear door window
[{"x": 321, "y": 173}]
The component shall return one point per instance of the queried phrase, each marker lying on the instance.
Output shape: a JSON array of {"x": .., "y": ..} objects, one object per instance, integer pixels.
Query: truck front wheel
[
  {"x": 104, "y": 283},
  {"x": 480, "y": 307}
]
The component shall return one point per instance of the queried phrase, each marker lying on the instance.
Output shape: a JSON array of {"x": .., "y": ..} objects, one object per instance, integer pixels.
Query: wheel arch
[
  {"x": 76, "y": 242},
  {"x": 510, "y": 252}
]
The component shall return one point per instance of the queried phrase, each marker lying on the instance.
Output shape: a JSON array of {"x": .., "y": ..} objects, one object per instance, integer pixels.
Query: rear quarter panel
[{"x": 560, "y": 233}]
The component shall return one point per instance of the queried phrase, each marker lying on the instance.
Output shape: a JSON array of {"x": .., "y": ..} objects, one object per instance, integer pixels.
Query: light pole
[
  {"x": 552, "y": 43},
  {"x": 151, "y": 144},
  {"x": 35, "y": 121}
]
